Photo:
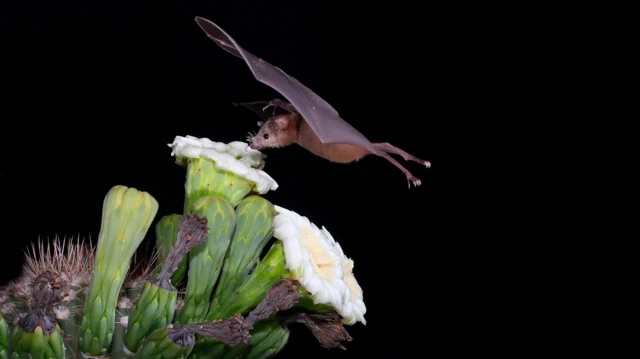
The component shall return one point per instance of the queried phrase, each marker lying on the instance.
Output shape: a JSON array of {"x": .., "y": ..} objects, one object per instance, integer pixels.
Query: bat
[{"x": 308, "y": 120}]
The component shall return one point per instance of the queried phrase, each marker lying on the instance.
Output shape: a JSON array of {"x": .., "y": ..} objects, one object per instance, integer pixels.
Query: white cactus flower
[
  {"x": 235, "y": 157},
  {"x": 316, "y": 260},
  {"x": 353, "y": 307}
]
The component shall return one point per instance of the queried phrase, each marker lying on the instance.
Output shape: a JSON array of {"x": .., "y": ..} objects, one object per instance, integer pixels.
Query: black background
[{"x": 94, "y": 91}]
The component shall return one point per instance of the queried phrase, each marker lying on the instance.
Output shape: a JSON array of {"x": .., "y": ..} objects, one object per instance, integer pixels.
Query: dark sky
[{"x": 93, "y": 92}]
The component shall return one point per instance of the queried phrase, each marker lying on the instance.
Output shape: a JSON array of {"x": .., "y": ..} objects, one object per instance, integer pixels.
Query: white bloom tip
[
  {"x": 316, "y": 260},
  {"x": 235, "y": 157},
  {"x": 354, "y": 308}
]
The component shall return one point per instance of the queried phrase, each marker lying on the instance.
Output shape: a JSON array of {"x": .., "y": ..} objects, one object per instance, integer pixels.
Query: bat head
[{"x": 276, "y": 132}]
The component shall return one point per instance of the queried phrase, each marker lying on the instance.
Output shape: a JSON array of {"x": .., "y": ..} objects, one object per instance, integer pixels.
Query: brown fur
[
  {"x": 288, "y": 129},
  {"x": 284, "y": 130},
  {"x": 340, "y": 153}
]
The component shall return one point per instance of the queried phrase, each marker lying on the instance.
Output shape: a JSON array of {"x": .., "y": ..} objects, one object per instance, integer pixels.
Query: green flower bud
[
  {"x": 37, "y": 344},
  {"x": 153, "y": 310},
  {"x": 166, "y": 234},
  {"x": 205, "y": 260},
  {"x": 230, "y": 171},
  {"x": 162, "y": 344},
  {"x": 268, "y": 337},
  {"x": 253, "y": 230},
  {"x": 126, "y": 217},
  {"x": 254, "y": 289}
]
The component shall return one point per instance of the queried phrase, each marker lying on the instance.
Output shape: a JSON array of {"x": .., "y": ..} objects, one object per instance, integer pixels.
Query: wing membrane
[{"x": 323, "y": 119}]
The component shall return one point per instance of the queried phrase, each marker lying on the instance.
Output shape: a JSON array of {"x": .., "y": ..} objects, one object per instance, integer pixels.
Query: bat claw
[
  {"x": 427, "y": 164},
  {"x": 414, "y": 181}
]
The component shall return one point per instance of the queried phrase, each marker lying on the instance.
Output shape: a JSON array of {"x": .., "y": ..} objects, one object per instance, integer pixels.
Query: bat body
[
  {"x": 309, "y": 120},
  {"x": 286, "y": 129}
]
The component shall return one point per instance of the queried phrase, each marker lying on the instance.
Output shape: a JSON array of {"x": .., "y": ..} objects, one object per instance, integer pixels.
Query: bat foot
[
  {"x": 389, "y": 148},
  {"x": 414, "y": 181}
]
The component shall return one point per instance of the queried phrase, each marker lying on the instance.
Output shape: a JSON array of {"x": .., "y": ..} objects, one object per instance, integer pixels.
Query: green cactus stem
[
  {"x": 4, "y": 338},
  {"x": 157, "y": 303},
  {"x": 177, "y": 341},
  {"x": 126, "y": 217},
  {"x": 253, "y": 291},
  {"x": 123, "y": 309},
  {"x": 64, "y": 263},
  {"x": 203, "y": 179},
  {"x": 154, "y": 310},
  {"x": 141, "y": 267},
  {"x": 166, "y": 234},
  {"x": 207, "y": 348},
  {"x": 255, "y": 216},
  {"x": 306, "y": 303},
  {"x": 267, "y": 339},
  {"x": 37, "y": 335},
  {"x": 71, "y": 324},
  {"x": 166, "y": 343},
  {"x": 282, "y": 295},
  {"x": 37, "y": 342},
  {"x": 205, "y": 260}
]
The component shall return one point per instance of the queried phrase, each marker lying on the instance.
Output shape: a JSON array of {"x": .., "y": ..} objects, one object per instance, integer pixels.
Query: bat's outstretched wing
[
  {"x": 257, "y": 108},
  {"x": 321, "y": 117},
  {"x": 268, "y": 109}
]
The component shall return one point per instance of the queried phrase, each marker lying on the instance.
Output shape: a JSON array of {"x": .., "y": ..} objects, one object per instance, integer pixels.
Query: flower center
[{"x": 321, "y": 260}]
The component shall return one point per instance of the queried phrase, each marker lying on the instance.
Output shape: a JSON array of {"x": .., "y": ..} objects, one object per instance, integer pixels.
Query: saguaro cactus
[{"x": 233, "y": 273}]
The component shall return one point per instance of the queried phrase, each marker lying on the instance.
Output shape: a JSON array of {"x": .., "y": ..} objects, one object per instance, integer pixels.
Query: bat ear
[
  {"x": 273, "y": 126},
  {"x": 282, "y": 122}
]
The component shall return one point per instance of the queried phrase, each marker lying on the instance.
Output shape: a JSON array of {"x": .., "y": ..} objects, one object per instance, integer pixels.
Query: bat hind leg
[
  {"x": 411, "y": 178},
  {"x": 389, "y": 148}
]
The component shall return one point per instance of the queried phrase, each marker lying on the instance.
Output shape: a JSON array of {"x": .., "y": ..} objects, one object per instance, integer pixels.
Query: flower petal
[
  {"x": 235, "y": 157},
  {"x": 312, "y": 257}
]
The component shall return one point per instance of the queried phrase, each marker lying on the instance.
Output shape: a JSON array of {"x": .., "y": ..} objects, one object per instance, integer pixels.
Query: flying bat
[{"x": 308, "y": 120}]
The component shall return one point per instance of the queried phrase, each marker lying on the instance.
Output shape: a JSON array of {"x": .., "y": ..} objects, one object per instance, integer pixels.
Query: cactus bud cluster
[{"x": 216, "y": 285}]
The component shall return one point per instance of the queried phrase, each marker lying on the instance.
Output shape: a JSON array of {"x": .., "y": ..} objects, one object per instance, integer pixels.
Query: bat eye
[{"x": 266, "y": 136}]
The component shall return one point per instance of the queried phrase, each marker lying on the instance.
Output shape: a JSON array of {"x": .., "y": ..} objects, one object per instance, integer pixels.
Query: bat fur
[{"x": 309, "y": 120}]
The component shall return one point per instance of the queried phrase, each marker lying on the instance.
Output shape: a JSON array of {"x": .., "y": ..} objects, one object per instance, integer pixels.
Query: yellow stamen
[
  {"x": 350, "y": 279},
  {"x": 322, "y": 262}
]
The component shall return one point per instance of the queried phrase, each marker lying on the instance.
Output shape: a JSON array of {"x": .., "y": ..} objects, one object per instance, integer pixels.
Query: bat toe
[{"x": 414, "y": 181}]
